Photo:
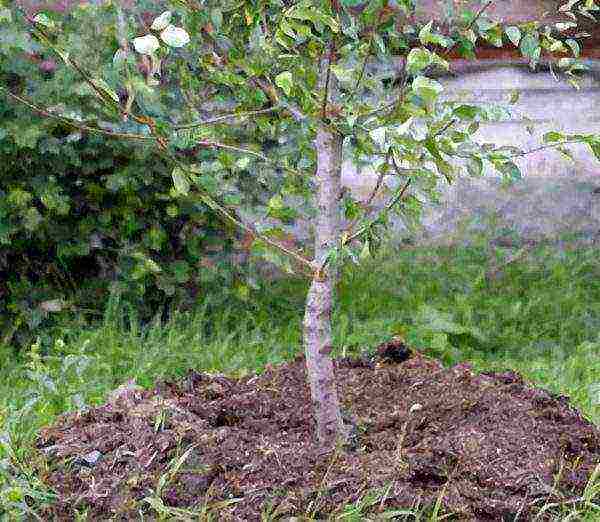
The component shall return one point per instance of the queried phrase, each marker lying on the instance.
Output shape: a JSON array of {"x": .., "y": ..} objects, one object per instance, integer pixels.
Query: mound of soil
[{"x": 489, "y": 444}]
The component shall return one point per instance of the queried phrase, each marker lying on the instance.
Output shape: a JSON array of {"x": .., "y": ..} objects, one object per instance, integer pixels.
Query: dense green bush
[{"x": 83, "y": 215}]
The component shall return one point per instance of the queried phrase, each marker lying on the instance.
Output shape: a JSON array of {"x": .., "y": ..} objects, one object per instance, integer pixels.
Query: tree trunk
[{"x": 317, "y": 316}]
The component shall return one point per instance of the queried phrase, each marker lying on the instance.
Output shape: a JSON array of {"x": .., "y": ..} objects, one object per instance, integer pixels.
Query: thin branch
[
  {"x": 470, "y": 26},
  {"x": 100, "y": 92},
  {"x": 271, "y": 93},
  {"x": 327, "y": 80},
  {"x": 216, "y": 144},
  {"x": 393, "y": 201},
  {"x": 220, "y": 209},
  {"x": 224, "y": 117},
  {"x": 348, "y": 238},
  {"x": 444, "y": 128},
  {"x": 362, "y": 69},
  {"x": 542, "y": 147},
  {"x": 75, "y": 123},
  {"x": 369, "y": 200},
  {"x": 479, "y": 13},
  {"x": 225, "y": 213},
  {"x": 385, "y": 107},
  {"x": 530, "y": 151},
  {"x": 379, "y": 180}
]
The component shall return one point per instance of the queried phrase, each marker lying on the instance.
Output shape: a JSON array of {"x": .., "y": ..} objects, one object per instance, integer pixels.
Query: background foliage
[{"x": 84, "y": 216}]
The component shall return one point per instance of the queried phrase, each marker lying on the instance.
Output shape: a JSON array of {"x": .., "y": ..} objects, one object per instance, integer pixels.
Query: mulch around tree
[{"x": 491, "y": 444}]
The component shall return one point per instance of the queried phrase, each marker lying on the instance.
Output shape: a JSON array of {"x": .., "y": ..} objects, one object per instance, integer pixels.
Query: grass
[{"x": 541, "y": 318}]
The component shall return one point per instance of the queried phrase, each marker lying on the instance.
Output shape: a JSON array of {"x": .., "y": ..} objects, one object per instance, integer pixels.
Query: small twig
[
  {"x": 220, "y": 209},
  {"x": 371, "y": 197},
  {"x": 74, "y": 123},
  {"x": 348, "y": 238},
  {"x": 542, "y": 147},
  {"x": 224, "y": 117},
  {"x": 530, "y": 151},
  {"x": 271, "y": 93},
  {"x": 394, "y": 200},
  {"x": 218, "y": 145},
  {"x": 470, "y": 26},
  {"x": 445, "y": 128},
  {"x": 362, "y": 69},
  {"x": 101, "y": 93}
]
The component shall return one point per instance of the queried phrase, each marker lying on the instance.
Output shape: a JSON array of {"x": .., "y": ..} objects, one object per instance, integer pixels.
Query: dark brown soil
[{"x": 490, "y": 444}]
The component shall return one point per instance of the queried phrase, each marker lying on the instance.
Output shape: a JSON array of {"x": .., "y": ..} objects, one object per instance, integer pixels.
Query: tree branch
[
  {"x": 470, "y": 26},
  {"x": 368, "y": 225},
  {"x": 220, "y": 209},
  {"x": 216, "y": 144},
  {"x": 208, "y": 200},
  {"x": 271, "y": 93},
  {"x": 224, "y": 117},
  {"x": 327, "y": 78},
  {"x": 75, "y": 123},
  {"x": 362, "y": 69}
]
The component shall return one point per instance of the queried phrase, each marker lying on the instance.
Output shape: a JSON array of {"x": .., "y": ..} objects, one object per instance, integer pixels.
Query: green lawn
[{"x": 541, "y": 318}]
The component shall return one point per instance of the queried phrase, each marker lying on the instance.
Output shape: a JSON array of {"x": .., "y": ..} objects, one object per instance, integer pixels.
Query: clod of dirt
[{"x": 490, "y": 444}]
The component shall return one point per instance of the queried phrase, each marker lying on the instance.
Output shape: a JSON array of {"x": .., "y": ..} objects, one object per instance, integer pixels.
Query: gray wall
[{"x": 555, "y": 193}]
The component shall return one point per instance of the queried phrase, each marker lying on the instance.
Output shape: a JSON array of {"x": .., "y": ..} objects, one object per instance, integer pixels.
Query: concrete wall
[{"x": 550, "y": 105}]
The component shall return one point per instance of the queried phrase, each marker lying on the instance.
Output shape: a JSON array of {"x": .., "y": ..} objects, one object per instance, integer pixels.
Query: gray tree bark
[{"x": 319, "y": 301}]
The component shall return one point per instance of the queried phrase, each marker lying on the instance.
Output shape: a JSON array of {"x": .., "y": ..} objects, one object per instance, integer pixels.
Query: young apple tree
[{"x": 274, "y": 93}]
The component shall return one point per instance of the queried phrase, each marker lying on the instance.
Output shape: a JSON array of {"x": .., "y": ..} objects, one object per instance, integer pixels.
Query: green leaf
[
  {"x": 427, "y": 88},
  {"x": 465, "y": 48},
  {"x": 442, "y": 165},
  {"x": 343, "y": 73},
  {"x": 365, "y": 253},
  {"x": 5, "y": 15},
  {"x": 427, "y": 37},
  {"x": 43, "y": 19},
  {"x": 102, "y": 86},
  {"x": 216, "y": 17},
  {"x": 475, "y": 166},
  {"x": 287, "y": 29},
  {"x": 276, "y": 202},
  {"x": 594, "y": 145},
  {"x": 285, "y": 81},
  {"x": 485, "y": 24},
  {"x": 242, "y": 163},
  {"x": 181, "y": 181},
  {"x": 494, "y": 36},
  {"x": 514, "y": 97},
  {"x": 466, "y": 112},
  {"x": 530, "y": 46},
  {"x": 181, "y": 271},
  {"x": 473, "y": 128},
  {"x": 306, "y": 11},
  {"x": 509, "y": 169},
  {"x": 378, "y": 136},
  {"x": 514, "y": 35},
  {"x": 553, "y": 136},
  {"x": 417, "y": 60}
]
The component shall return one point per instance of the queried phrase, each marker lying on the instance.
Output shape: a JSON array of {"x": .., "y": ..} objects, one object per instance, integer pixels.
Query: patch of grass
[{"x": 541, "y": 317}]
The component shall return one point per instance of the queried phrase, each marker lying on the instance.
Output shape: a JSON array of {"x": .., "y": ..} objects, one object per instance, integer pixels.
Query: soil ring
[{"x": 490, "y": 445}]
